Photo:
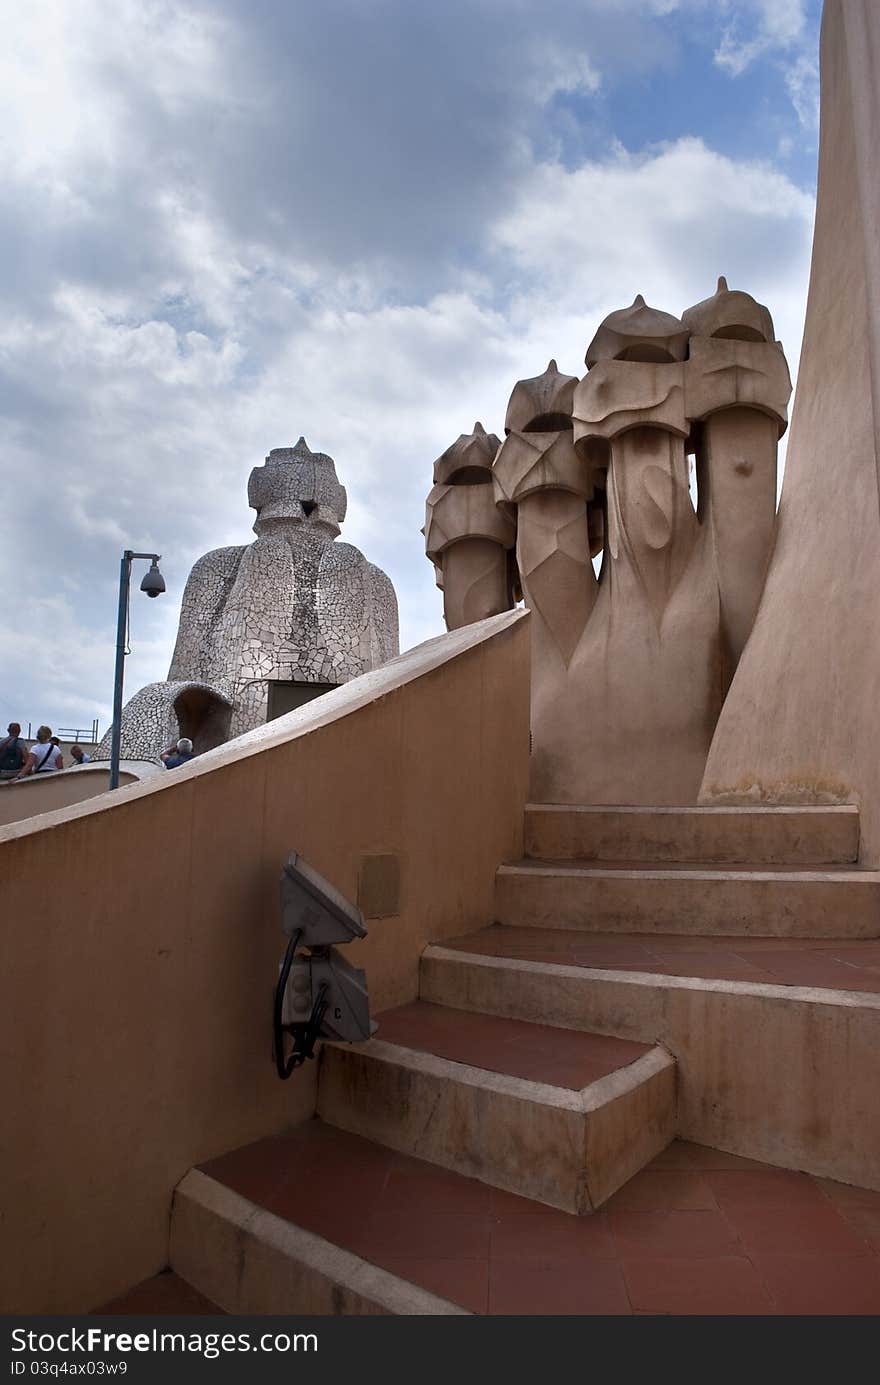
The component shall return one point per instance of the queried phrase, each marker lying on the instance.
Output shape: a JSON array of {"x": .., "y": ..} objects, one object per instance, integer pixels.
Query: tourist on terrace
[
  {"x": 177, "y": 754},
  {"x": 13, "y": 752},
  {"x": 44, "y": 758},
  {"x": 79, "y": 755}
]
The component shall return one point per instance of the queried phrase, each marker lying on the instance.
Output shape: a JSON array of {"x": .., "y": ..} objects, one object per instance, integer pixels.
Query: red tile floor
[
  {"x": 847, "y": 965},
  {"x": 162, "y": 1295},
  {"x": 537, "y": 1052},
  {"x": 698, "y": 1231}
]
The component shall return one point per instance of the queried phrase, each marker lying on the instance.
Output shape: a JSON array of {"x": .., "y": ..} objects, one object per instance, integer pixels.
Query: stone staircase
[
  {"x": 561, "y": 1116},
  {"x": 644, "y": 978}
]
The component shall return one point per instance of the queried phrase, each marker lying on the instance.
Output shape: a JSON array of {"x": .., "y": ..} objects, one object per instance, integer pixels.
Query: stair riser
[
  {"x": 740, "y": 906},
  {"x": 501, "y": 1130},
  {"x": 778, "y": 837},
  {"x": 811, "y": 1104}
]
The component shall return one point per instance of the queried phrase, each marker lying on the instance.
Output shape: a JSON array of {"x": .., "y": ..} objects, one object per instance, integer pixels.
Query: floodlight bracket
[{"x": 314, "y": 915}]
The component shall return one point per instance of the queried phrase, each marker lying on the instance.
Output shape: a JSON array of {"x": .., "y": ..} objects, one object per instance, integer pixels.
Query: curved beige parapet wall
[
  {"x": 142, "y": 940},
  {"x": 800, "y": 723},
  {"x": 44, "y": 793}
]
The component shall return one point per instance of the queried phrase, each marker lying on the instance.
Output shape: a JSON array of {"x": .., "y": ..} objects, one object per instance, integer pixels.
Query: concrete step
[
  {"x": 781, "y": 1073},
  {"x": 748, "y": 835},
  {"x": 320, "y": 1221},
  {"x": 562, "y": 1117},
  {"x": 247, "y": 1259},
  {"x": 841, "y": 902}
]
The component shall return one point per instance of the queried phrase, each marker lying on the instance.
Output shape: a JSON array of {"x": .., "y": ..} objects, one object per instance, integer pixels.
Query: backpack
[{"x": 12, "y": 755}]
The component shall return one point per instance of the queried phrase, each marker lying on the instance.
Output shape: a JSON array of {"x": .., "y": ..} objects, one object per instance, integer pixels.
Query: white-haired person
[
  {"x": 43, "y": 758},
  {"x": 178, "y": 754}
]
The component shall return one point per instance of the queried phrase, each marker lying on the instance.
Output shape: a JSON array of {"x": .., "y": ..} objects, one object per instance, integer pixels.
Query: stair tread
[
  {"x": 676, "y": 1239},
  {"x": 653, "y": 870},
  {"x": 566, "y": 1058},
  {"x": 835, "y": 963},
  {"x": 700, "y": 810}
]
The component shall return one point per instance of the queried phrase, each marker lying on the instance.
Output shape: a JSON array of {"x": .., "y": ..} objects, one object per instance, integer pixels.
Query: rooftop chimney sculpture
[
  {"x": 296, "y": 606},
  {"x": 630, "y": 668}
]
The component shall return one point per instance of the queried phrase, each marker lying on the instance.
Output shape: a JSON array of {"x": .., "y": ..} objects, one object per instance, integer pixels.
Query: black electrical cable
[{"x": 284, "y": 1067}]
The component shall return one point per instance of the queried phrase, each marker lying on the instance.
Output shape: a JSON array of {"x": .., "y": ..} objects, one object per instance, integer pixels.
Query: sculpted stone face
[
  {"x": 468, "y": 537},
  {"x": 630, "y": 669}
]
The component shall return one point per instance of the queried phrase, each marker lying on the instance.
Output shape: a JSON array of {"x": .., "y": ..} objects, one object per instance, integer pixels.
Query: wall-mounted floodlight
[{"x": 319, "y": 994}]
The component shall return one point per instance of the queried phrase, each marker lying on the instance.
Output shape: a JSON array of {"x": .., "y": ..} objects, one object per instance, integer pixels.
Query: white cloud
[
  {"x": 664, "y": 223},
  {"x": 778, "y": 30},
  {"x": 561, "y": 72},
  {"x": 221, "y": 237},
  {"x": 774, "y": 24},
  {"x": 802, "y": 84}
]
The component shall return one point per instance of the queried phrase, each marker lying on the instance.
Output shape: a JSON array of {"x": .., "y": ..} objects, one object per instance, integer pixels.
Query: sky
[{"x": 225, "y": 225}]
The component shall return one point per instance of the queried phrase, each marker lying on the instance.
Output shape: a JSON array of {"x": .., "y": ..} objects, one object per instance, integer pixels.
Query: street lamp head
[{"x": 153, "y": 583}]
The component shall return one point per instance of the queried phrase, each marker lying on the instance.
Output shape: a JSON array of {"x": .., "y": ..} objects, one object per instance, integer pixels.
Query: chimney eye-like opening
[
  {"x": 647, "y": 353},
  {"x": 738, "y": 332},
  {"x": 308, "y": 507}
]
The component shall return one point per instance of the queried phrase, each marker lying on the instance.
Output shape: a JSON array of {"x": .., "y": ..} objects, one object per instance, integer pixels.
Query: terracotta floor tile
[
  {"x": 860, "y": 953},
  {"x": 813, "y": 1229},
  {"x": 672, "y": 1235},
  {"x": 602, "y": 957},
  {"x": 503, "y": 1205},
  {"x": 724, "y": 968},
  {"x": 257, "y": 1169},
  {"x": 603, "y": 1050},
  {"x": 161, "y": 1294},
  {"x": 430, "y": 1236},
  {"x": 676, "y": 1155},
  {"x": 341, "y": 1225},
  {"x": 727, "y": 1285},
  {"x": 763, "y": 1188},
  {"x": 664, "y": 1190},
  {"x": 349, "y": 1187},
  {"x": 536, "y": 1052},
  {"x": 864, "y": 1218},
  {"x": 703, "y": 1157},
  {"x": 418, "y": 1187},
  {"x": 822, "y": 1284},
  {"x": 796, "y": 961},
  {"x": 810, "y": 969},
  {"x": 650, "y": 966},
  {"x": 330, "y": 1148},
  {"x": 866, "y": 979},
  {"x": 581, "y": 1287},
  {"x": 845, "y": 1195},
  {"x": 465, "y": 1282},
  {"x": 550, "y": 1237}
]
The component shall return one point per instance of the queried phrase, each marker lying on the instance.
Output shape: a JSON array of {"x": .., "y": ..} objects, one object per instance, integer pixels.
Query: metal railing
[{"x": 88, "y": 734}]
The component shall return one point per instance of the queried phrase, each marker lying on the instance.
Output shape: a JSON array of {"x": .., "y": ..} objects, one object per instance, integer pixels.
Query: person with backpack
[
  {"x": 43, "y": 758},
  {"x": 13, "y": 752}
]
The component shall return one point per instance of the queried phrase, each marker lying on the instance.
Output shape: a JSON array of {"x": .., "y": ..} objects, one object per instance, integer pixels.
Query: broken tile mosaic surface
[{"x": 297, "y": 605}]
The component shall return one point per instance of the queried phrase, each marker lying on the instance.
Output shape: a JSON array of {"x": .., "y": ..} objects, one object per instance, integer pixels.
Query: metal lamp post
[{"x": 153, "y": 584}]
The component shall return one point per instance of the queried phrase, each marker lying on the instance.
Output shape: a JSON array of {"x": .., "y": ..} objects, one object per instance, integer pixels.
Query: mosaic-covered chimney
[{"x": 267, "y": 625}]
